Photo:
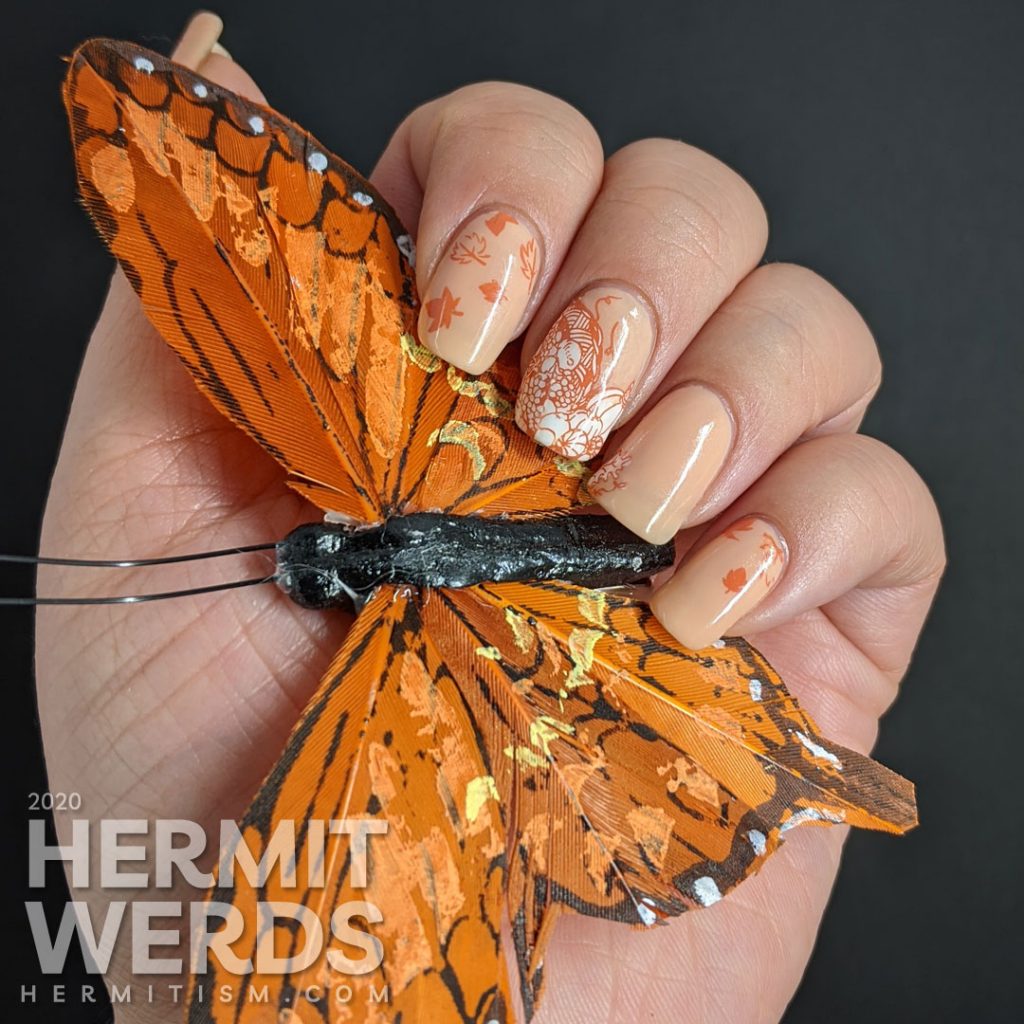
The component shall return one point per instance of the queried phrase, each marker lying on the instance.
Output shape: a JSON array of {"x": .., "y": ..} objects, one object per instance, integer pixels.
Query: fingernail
[
  {"x": 721, "y": 582},
  {"x": 666, "y": 464},
  {"x": 199, "y": 40},
  {"x": 480, "y": 289},
  {"x": 580, "y": 378}
]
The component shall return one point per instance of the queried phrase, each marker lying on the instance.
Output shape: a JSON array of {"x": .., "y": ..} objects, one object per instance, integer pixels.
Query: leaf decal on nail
[
  {"x": 492, "y": 292},
  {"x": 496, "y": 224},
  {"x": 606, "y": 479},
  {"x": 771, "y": 555},
  {"x": 735, "y": 580},
  {"x": 528, "y": 260},
  {"x": 744, "y": 525},
  {"x": 471, "y": 248},
  {"x": 442, "y": 309}
]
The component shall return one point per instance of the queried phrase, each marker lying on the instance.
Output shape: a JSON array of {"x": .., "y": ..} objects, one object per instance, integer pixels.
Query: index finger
[{"x": 495, "y": 179}]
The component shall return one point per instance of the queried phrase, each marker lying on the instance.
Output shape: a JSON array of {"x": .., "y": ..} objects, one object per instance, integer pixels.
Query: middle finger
[{"x": 670, "y": 235}]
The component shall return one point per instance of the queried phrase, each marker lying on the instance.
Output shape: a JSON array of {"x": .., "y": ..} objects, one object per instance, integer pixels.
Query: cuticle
[
  {"x": 780, "y": 534},
  {"x": 730, "y": 412}
]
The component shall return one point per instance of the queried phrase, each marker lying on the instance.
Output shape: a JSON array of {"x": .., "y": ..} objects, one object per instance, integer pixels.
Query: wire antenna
[
  {"x": 138, "y": 598},
  {"x": 130, "y": 563}
]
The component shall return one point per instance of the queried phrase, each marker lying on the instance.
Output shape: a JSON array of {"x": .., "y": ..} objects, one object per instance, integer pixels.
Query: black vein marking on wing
[
  {"x": 243, "y": 363},
  {"x": 208, "y": 375}
]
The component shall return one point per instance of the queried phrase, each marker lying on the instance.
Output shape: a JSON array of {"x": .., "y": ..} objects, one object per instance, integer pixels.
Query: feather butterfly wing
[
  {"x": 640, "y": 779},
  {"x": 386, "y": 734},
  {"x": 533, "y": 747},
  {"x": 283, "y": 281}
]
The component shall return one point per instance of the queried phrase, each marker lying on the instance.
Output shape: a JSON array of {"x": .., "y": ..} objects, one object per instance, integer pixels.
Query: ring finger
[{"x": 785, "y": 357}]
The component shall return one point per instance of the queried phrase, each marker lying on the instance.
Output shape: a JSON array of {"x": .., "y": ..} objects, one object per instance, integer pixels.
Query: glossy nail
[
  {"x": 480, "y": 290},
  {"x": 199, "y": 40},
  {"x": 666, "y": 464},
  {"x": 721, "y": 582},
  {"x": 582, "y": 375}
]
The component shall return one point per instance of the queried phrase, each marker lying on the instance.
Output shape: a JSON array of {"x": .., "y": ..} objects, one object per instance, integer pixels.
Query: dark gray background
[{"x": 884, "y": 139}]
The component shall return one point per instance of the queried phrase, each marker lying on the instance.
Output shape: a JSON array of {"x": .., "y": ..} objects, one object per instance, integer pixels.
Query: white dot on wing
[
  {"x": 818, "y": 751},
  {"x": 407, "y": 248},
  {"x": 145, "y": 65},
  {"x": 256, "y": 124},
  {"x": 317, "y": 162},
  {"x": 706, "y": 890},
  {"x": 200, "y": 90},
  {"x": 362, "y": 198},
  {"x": 758, "y": 841}
]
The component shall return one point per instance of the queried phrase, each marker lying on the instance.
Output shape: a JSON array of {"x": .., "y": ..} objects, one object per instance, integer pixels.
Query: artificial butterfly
[{"x": 535, "y": 746}]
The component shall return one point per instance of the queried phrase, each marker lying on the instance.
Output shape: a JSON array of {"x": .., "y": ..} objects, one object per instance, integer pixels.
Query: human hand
[{"x": 178, "y": 710}]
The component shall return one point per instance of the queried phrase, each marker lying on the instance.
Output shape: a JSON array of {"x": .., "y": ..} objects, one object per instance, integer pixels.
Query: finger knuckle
[
  {"x": 522, "y": 118},
  {"x": 692, "y": 201},
  {"x": 816, "y": 333},
  {"x": 889, "y": 491}
]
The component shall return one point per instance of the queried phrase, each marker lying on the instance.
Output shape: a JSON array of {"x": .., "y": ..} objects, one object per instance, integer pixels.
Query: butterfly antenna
[
  {"x": 138, "y": 598},
  {"x": 131, "y": 563}
]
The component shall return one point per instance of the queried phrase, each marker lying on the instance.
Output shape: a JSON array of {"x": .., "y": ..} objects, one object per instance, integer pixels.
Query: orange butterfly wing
[
  {"x": 386, "y": 736},
  {"x": 640, "y": 779},
  {"x": 283, "y": 281}
]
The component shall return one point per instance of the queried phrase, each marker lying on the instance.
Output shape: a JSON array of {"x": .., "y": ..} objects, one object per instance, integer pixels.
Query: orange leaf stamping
[{"x": 536, "y": 744}]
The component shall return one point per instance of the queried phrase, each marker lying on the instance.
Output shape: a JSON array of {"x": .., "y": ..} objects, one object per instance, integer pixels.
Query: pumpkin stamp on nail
[{"x": 581, "y": 377}]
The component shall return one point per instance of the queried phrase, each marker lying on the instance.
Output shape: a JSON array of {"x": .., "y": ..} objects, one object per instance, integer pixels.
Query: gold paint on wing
[
  {"x": 522, "y": 635},
  {"x": 544, "y": 729},
  {"x": 593, "y": 606},
  {"x": 485, "y": 392},
  {"x": 478, "y": 792},
  {"x": 418, "y": 355},
  {"x": 581, "y": 651},
  {"x": 465, "y": 436},
  {"x": 572, "y": 468},
  {"x": 491, "y": 653},
  {"x": 525, "y": 757}
]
